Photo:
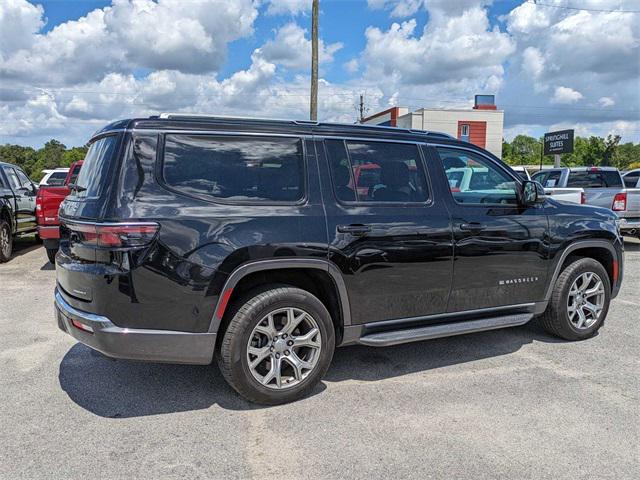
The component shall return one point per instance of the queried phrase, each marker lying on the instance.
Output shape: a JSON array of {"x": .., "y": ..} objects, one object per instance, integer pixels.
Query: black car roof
[{"x": 199, "y": 122}]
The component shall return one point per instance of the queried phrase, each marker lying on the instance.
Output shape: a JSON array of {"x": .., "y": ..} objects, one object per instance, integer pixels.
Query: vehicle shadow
[
  {"x": 631, "y": 245},
  {"x": 24, "y": 245},
  {"x": 124, "y": 389}
]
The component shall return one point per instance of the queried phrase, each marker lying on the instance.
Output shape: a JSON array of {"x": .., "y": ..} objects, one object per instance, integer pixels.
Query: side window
[
  {"x": 540, "y": 177},
  {"x": 14, "y": 183},
  {"x": 23, "y": 179},
  {"x": 631, "y": 179},
  {"x": 552, "y": 180},
  {"x": 474, "y": 179},
  {"x": 260, "y": 169},
  {"x": 378, "y": 172}
]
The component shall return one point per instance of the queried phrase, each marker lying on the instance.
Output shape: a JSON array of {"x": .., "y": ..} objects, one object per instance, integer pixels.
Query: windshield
[{"x": 95, "y": 168}]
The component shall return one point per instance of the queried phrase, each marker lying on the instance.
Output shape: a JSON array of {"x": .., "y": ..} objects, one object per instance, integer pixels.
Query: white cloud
[
  {"x": 291, "y": 49},
  {"x": 533, "y": 62},
  {"x": 291, "y": 7},
  {"x": 19, "y": 21},
  {"x": 352, "y": 66},
  {"x": 126, "y": 35},
  {"x": 606, "y": 101},
  {"x": 566, "y": 95},
  {"x": 459, "y": 49}
]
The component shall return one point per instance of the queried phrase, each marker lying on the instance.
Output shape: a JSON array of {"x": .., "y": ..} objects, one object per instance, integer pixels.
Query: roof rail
[{"x": 202, "y": 116}]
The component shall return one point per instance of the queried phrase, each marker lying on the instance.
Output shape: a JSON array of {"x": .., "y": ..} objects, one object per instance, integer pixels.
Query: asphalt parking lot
[{"x": 514, "y": 403}]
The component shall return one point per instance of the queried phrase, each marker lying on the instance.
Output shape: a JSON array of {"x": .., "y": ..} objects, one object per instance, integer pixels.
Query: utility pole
[
  {"x": 313, "y": 114},
  {"x": 361, "y": 108}
]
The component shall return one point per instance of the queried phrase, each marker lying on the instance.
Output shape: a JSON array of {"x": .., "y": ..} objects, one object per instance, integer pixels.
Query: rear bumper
[
  {"x": 49, "y": 231},
  {"x": 134, "y": 344},
  {"x": 627, "y": 224}
]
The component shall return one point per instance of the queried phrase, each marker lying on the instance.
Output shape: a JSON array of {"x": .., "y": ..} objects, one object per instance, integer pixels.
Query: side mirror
[{"x": 532, "y": 193}]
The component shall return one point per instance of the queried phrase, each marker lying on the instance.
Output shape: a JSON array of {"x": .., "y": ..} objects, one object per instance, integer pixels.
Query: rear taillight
[
  {"x": 583, "y": 198},
  {"x": 112, "y": 235},
  {"x": 619, "y": 202}
]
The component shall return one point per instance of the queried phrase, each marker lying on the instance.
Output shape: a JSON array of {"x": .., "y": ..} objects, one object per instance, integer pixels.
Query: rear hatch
[{"x": 79, "y": 212}]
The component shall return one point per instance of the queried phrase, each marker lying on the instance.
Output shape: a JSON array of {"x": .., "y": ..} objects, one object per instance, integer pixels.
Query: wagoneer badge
[{"x": 512, "y": 281}]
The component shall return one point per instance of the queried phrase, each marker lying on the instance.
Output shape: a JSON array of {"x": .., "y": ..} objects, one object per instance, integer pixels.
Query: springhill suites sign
[{"x": 558, "y": 142}]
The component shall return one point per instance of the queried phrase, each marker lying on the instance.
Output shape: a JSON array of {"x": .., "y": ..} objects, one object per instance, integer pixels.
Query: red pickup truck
[{"x": 48, "y": 201}]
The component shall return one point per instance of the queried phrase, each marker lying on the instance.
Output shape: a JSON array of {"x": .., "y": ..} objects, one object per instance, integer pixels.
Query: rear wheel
[
  {"x": 6, "y": 241},
  {"x": 580, "y": 301},
  {"x": 51, "y": 254},
  {"x": 277, "y": 346}
]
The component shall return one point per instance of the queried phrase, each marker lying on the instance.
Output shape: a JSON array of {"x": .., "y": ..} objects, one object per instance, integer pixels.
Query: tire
[
  {"x": 254, "y": 309},
  {"x": 51, "y": 254},
  {"x": 6, "y": 241},
  {"x": 556, "y": 318}
]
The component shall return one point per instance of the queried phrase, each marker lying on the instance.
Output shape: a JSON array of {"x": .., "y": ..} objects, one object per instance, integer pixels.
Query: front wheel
[
  {"x": 6, "y": 241},
  {"x": 580, "y": 301},
  {"x": 277, "y": 346}
]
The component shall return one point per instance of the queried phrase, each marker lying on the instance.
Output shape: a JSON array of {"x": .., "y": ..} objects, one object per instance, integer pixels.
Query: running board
[{"x": 396, "y": 337}]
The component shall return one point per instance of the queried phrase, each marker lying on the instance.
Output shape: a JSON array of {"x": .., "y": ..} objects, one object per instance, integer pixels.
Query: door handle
[
  {"x": 354, "y": 229},
  {"x": 471, "y": 227}
]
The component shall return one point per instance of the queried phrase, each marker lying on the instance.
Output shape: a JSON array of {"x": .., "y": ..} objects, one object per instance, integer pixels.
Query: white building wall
[{"x": 446, "y": 121}]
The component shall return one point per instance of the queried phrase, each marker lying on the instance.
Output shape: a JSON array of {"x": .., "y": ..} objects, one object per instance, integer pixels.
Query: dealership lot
[{"x": 513, "y": 403}]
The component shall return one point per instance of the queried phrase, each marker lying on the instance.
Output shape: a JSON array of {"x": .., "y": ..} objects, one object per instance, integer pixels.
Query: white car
[{"x": 54, "y": 178}]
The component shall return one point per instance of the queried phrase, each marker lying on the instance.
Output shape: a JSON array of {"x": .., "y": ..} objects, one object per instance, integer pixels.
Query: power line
[{"x": 564, "y": 7}]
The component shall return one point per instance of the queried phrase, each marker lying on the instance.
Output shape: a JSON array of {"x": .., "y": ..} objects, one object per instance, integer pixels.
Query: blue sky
[{"x": 66, "y": 67}]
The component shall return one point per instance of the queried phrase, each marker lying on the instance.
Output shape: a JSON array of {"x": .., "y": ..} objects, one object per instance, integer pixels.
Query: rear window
[
  {"x": 595, "y": 179},
  {"x": 56, "y": 178},
  {"x": 245, "y": 169},
  {"x": 95, "y": 169}
]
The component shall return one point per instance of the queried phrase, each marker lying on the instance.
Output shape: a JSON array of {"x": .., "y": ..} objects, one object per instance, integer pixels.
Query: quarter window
[
  {"x": 474, "y": 179},
  {"x": 377, "y": 172},
  {"x": 12, "y": 177},
  {"x": 256, "y": 169}
]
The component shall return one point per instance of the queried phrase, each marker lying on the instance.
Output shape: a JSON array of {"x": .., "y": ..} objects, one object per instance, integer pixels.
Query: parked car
[
  {"x": 17, "y": 207},
  {"x": 603, "y": 187},
  {"x": 632, "y": 178},
  {"x": 48, "y": 202},
  {"x": 54, "y": 177},
  {"x": 194, "y": 237}
]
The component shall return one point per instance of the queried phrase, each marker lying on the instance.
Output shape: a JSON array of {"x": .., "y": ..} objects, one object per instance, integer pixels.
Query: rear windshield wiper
[{"x": 76, "y": 187}]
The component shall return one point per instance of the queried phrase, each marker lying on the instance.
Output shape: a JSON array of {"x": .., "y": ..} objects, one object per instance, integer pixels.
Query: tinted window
[
  {"x": 631, "y": 179},
  {"x": 378, "y": 172},
  {"x": 523, "y": 175},
  {"x": 594, "y": 179},
  {"x": 95, "y": 169},
  {"x": 540, "y": 177},
  {"x": 475, "y": 179},
  {"x": 235, "y": 168}
]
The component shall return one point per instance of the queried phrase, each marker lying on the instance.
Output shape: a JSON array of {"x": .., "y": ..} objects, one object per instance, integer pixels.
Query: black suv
[{"x": 267, "y": 243}]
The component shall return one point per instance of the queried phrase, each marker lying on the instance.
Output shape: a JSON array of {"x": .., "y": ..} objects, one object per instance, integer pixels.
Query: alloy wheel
[
  {"x": 5, "y": 241},
  {"x": 284, "y": 348},
  {"x": 585, "y": 301}
]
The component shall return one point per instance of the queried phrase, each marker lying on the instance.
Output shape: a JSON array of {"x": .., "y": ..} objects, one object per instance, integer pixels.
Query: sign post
[{"x": 558, "y": 142}]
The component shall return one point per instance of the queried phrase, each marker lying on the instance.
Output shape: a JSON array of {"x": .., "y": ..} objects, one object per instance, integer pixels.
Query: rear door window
[
  {"x": 23, "y": 179},
  {"x": 95, "y": 170},
  {"x": 243, "y": 169},
  {"x": 384, "y": 172}
]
